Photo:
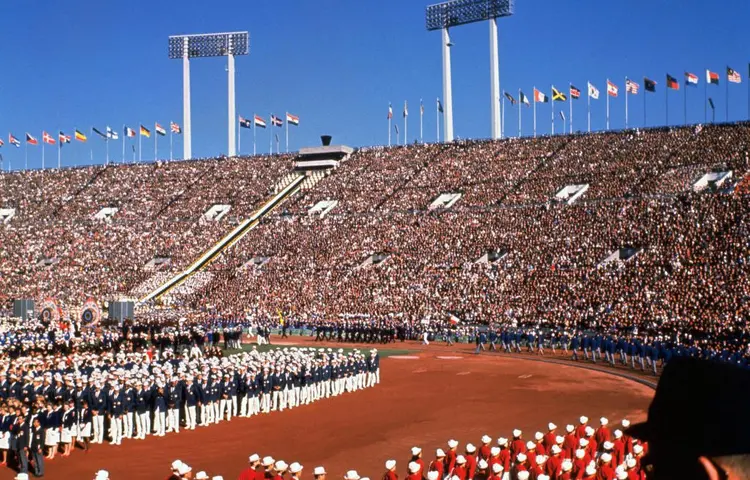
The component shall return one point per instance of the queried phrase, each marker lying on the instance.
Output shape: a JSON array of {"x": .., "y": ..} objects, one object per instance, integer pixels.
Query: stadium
[{"x": 509, "y": 308}]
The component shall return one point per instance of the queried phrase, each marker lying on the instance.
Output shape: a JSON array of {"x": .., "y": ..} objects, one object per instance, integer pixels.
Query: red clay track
[{"x": 423, "y": 401}]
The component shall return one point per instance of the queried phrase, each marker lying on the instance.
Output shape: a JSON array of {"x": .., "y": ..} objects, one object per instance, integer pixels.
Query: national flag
[
  {"x": 611, "y": 89},
  {"x": 396, "y": 128},
  {"x": 129, "y": 132},
  {"x": 631, "y": 87},
  {"x": 244, "y": 123},
  {"x": 31, "y": 140},
  {"x": 672, "y": 83},
  {"x": 574, "y": 93},
  {"x": 691, "y": 79},
  {"x": 292, "y": 119},
  {"x": 80, "y": 136},
  {"x": 276, "y": 121},
  {"x": 440, "y": 106},
  {"x": 1, "y": 142},
  {"x": 733, "y": 76},
  {"x": 96, "y": 131},
  {"x": 649, "y": 84},
  {"x": 562, "y": 115},
  {"x": 13, "y": 140},
  {"x": 390, "y": 110},
  {"x": 558, "y": 96},
  {"x": 174, "y": 128},
  {"x": 523, "y": 99},
  {"x": 406, "y": 110},
  {"x": 63, "y": 139},
  {"x": 259, "y": 122},
  {"x": 111, "y": 134},
  {"x": 539, "y": 97},
  {"x": 510, "y": 97},
  {"x": 48, "y": 139},
  {"x": 593, "y": 92},
  {"x": 145, "y": 132},
  {"x": 159, "y": 129},
  {"x": 712, "y": 77},
  {"x": 711, "y": 102}
]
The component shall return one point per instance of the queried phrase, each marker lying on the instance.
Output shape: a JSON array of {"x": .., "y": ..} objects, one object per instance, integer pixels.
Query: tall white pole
[
  {"x": 553, "y": 113},
  {"x": 187, "y": 131},
  {"x": 520, "y": 104},
  {"x": 43, "y": 142},
  {"x": 239, "y": 137},
  {"x": 607, "y": 104},
  {"x": 406, "y": 125},
  {"x": 588, "y": 107},
  {"x": 421, "y": 114},
  {"x": 286, "y": 123},
  {"x": 437, "y": 118},
  {"x": 534, "y": 112},
  {"x": 494, "y": 82},
  {"x": 502, "y": 118},
  {"x": 59, "y": 155},
  {"x": 106, "y": 143},
  {"x": 124, "y": 139},
  {"x": 270, "y": 135},
  {"x": 170, "y": 141},
  {"x": 389, "y": 130},
  {"x": 140, "y": 145},
  {"x": 447, "y": 89},
  {"x": 231, "y": 151},
  {"x": 626, "y": 103},
  {"x": 156, "y": 143},
  {"x": 254, "y": 128},
  {"x": 570, "y": 122}
]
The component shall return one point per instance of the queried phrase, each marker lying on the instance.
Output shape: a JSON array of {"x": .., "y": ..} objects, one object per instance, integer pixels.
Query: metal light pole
[
  {"x": 185, "y": 47},
  {"x": 442, "y": 16}
]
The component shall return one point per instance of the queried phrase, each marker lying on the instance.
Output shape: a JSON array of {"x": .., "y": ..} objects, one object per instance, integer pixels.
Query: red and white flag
[
  {"x": 611, "y": 89},
  {"x": 47, "y": 138}
]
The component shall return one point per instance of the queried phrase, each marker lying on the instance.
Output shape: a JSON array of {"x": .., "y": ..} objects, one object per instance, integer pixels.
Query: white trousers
[
  {"x": 98, "y": 424},
  {"x": 173, "y": 420},
  {"x": 190, "y": 417},
  {"x": 160, "y": 423}
]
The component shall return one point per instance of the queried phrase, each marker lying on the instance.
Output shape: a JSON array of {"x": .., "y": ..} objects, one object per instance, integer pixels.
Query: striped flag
[
  {"x": 159, "y": 129},
  {"x": 390, "y": 111},
  {"x": 101, "y": 134},
  {"x": 129, "y": 132},
  {"x": 575, "y": 93},
  {"x": 111, "y": 134},
  {"x": 440, "y": 106},
  {"x": 406, "y": 110},
  {"x": 631, "y": 87},
  {"x": 540, "y": 97},
  {"x": 292, "y": 119},
  {"x": 13, "y": 140},
  {"x": 523, "y": 98},
  {"x": 691, "y": 79},
  {"x": 259, "y": 122},
  {"x": 672, "y": 83},
  {"x": 712, "y": 77},
  {"x": 174, "y": 128},
  {"x": 80, "y": 136},
  {"x": 63, "y": 139},
  {"x": 276, "y": 121},
  {"x": 1, "y": 142},
  {"x": 145, "y": 132},
  {"x": 31, "y": 140},
  {"x": 733, "y": 76},
  {"x": 612, "y": 89}
]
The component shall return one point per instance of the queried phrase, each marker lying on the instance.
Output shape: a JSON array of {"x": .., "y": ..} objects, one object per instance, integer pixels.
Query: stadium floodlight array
[
  {"x": 228, "y": 44},
  {"x": 442, "y": 16}
]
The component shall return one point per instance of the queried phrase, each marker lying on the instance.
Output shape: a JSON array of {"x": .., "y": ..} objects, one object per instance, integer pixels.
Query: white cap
[
  {"x": 637, "y": 449},
  {"x": 416, "y": 451},
  {"x": 295, "y": 467},
  {"x": 517, "y": 433},
  {"x": 390, "y": 464},
  {"x": 433, "y": 475},
  {"x": 413, "y": 467},
  {"x": 556, "y": 449},
  {"x": 631, "y": 462},
  {"x": 540, "y": 459},
  {"x": 621, "y": 473},
  {"x": 486, "y": 439},
  {"x": 352, "y": 475},
  {"x": 268, "y": 461},
  {"x": 102, "y": 475},
  {"x": 439, "y": 453},
  {"x": 482, "y": 464},
  {"x": 319, "y": 471},
  {"x": 590, "y": 469},
  {"x": 603, "y": 420},
  {"x": 497, "y": 468},
  {"x": 583, "y": 442},
  {"x": 502, "y": 441},
  {"x": 470, "y": 448},
  {"x": 566, "y": 465},
  {"x": 460, "y": 460},
  {"x": 606, "y": 457},
  {"x": 583, "y": 419},
  {"x": 22, "y": 476},
  {"x": 569, "y": 428},
  {"x": 201, "y": 476},
  {"x": 530, "y": 445},
  {"x": 559, "y": 439},
  {"x": 523, "y": 475},
  {"x": 184, "y": 469},
  {"x": 280, "y": 466},
  {"x": 589, "y": 431},
  {"x": 217, "y": 477},
  {"x": 608, "y": 445},
  {"x": 254, "y": 458},
  {"x": 452, "y": 443},
  {"x": 580, "y": 453},
  {"x": 521, "y": 457},
  {"x": 176, "y": 465},
  {"x": 539, "y": 436},
  {"x": 542, "y": 477},
  {"x": 625, "y": 423},
  {"x": 551, "y": 426},
  {"x": 495, "y": 451}
]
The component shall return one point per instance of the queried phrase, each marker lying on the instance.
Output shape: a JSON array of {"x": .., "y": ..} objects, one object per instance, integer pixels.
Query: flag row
[
  {"x": 260, "y": 122},
  {"x": 107, "y": 134}
]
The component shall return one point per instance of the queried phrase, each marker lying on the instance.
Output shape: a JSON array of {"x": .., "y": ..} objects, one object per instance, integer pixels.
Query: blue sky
[{"x": 337, "y": 64}]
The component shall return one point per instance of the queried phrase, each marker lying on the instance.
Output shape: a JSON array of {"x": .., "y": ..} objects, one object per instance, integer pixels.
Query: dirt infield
[{"x": 420, "y": 401}]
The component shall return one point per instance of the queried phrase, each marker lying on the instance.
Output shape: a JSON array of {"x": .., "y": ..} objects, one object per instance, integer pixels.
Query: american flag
[
  {"x": 631, "y": 87},
  {"x": 733, "y": 76}
]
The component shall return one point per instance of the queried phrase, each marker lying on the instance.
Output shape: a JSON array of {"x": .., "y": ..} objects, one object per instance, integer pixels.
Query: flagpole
[
  {"x": 685, "y": 104},
  {"x": 553, "y": 112},
  {"x": 421, "y": 114},
  {"x": 644, "y": 102},
  {"x": 608, "y": 104},
  {"x": 106, "y": 143},
  {"x": 406, "y": 124},
  {"x": 270, "y": 135},
  {"x": 666, "y": 100},
  {"x": 59, "y": 151},
  {"x": 140, "y": 144},
  {"x": 287, "y": 131},
  {"x": 588, "y": 106},
  {"x": 502, "y": 116},
  {"x": 26, "y": 156},
  {"x": 437, "y": 116},
  {"x": 156, "y": 142},
  {"x": 570, "y": 101},
  {"x": 519, "y": 112},
  {"x": 124, "y": 139},
  {"x": 254, "y": 127},
  {"x": 534, "y": 90},
  {"x": 727, "y": 82},
  {"x": 705, "y": 101},
  {"x": 389, "y": 123},
  {"x": 43, "y": 142},
  {"x": 626, "y": 103},
  {"x": 170, "y": 140}
]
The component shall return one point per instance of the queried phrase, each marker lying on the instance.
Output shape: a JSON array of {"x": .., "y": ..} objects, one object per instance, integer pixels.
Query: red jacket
[
  {"x": 606, "y": 472},
  {"x": 570, "y": 445},
  {"x": 505, "y": 459},
  {"x": 247, "y": 474},
  {"x": 413, "y": 476},
  {"x": 438, "y": 466},
  {"x": 460, "y": 472},
  {"x": 390, "y": 475},
  {"x": 579, "y": 468},
  {"x": 536, "y": 470},
  {"x": 471, "y": 466},
  {"x": 602, "y": 435},
  {"x": 540, "y": 449},
  {"x": 516, "y": 447},
  {"x": 549, "y": 440},
  {"x": 618, "y": 452},
  {"x": 553, "y": 467},
  {"x": 581, "y": 431},
  {"x": 484, "y": 452},
  {"x": 450, "y": 461},
  {"x": 419, "y": 462}
]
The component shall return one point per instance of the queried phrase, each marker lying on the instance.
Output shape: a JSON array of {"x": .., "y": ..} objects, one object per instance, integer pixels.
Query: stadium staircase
[{"x": 292, "y": 184}]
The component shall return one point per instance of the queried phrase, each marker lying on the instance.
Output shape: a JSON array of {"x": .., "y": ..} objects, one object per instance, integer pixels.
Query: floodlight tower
[
  {"x": 229, "y": 44},
  {"x": 442, "y": 16}
]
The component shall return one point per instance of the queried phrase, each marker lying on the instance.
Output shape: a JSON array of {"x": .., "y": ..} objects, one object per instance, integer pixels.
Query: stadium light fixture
[
  {"x": 228, "y": 44},
  {"x": 443, "y": 16}
]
